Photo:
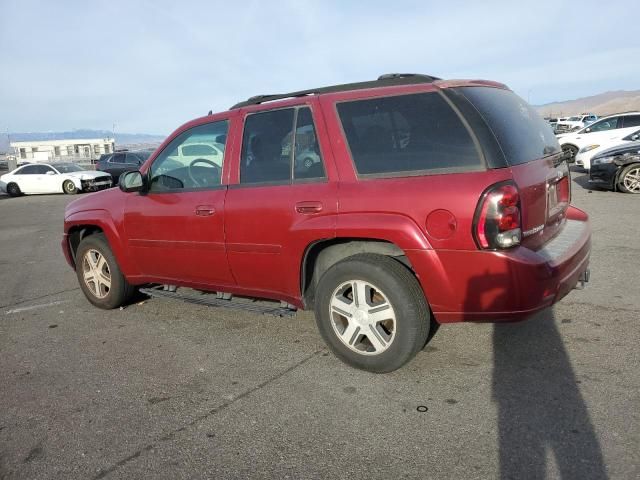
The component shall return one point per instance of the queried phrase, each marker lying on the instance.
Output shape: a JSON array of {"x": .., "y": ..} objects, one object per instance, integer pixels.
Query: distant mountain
[
  {"x": 602, "y": 104},
  {"x": 122, "y": 139}
]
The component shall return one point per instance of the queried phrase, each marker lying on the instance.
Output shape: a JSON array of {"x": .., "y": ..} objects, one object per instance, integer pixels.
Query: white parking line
[{"x": 33, "y": 307}]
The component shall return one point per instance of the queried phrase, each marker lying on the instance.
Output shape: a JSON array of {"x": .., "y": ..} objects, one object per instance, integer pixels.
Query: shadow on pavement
[
  {"x": 541, "y": 412},
  {"x": 542, "y": 417}
]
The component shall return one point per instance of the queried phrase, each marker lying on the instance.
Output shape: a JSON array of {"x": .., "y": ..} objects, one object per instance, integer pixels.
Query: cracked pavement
[{"x": 163, "y": 389}]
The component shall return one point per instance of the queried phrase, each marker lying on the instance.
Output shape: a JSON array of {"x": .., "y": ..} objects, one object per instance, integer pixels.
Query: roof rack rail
[{"x": 386, "y": 80}]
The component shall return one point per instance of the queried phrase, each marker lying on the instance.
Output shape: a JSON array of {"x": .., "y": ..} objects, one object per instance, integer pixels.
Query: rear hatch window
[
  {"x": 521, "y": 132},
  {"x": 532, "y": 152},
  {"x": 407, "y": 135}
]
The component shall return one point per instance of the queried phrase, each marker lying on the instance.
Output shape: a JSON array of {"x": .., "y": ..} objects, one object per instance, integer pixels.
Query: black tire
[
  {"x": 13, "y": 190},
  {"x": 635, "y": 168},
  {"x": 572, "y": 150},
  {"x": 119, "y": 291},
  {"x": 402, "y": 291},
  {"x": 69, "y": 187}
]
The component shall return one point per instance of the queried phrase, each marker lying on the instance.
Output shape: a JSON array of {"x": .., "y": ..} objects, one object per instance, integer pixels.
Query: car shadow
[
  {"x": 542, "y": 416},
  {"x": 580, "y": 177}
]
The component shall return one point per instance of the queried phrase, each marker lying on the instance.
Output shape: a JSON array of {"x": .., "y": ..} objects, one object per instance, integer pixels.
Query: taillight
[
  {"x": 564, "y": 190},
  {"x": 497, "y": 222}
]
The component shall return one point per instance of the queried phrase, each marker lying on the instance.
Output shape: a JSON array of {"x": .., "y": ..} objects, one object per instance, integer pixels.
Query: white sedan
[
  {"x": 53, "y": 178},
  {"x": 599, "y": 144}
]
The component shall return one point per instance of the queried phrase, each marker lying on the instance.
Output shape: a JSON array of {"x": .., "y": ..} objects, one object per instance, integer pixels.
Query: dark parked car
[
  {"x": 119, "y": 162},
  {"x": 617, "y": 168},
  {"x": 426, "y": 201}
]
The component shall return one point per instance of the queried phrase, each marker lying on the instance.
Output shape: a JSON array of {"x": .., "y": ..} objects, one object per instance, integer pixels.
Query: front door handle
[
  {"x": 309, "y": 207},
  {"x": 205, "y": 210}
]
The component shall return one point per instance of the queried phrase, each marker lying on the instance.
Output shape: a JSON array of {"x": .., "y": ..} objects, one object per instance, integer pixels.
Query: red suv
[{"x": 388, "y": 207}]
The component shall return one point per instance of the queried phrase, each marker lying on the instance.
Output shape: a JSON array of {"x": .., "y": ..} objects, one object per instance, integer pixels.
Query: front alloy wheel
[
  {"x": 362, "y": 317},
  {"x": 99, "y": 275},
  {"x": 631, "y": 179},
  {"x": 96, "y": 273},
  {"x": 69, "y": 187}
]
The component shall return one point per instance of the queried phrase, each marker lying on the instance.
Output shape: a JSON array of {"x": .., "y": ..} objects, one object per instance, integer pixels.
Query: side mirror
[
  {"x": 50, "y": 172},
  {"x": 132, "y": 182},
  {"x": 635, "y": 137},
  {"x": 587, "y": 130}
]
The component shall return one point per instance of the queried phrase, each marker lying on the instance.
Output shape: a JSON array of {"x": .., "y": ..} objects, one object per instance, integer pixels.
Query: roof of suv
[{"x": 387, "y": 80}]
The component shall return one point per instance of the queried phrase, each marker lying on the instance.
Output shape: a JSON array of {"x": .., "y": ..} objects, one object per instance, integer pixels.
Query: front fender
[
  {"x": 76, "y": 181},
  {"x": 102, "y": 219}
]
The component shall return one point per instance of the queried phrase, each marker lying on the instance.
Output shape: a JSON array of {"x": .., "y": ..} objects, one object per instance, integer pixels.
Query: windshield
[
  {"x": 68, "y": 167},
  {"x": 521, "y": 132}
]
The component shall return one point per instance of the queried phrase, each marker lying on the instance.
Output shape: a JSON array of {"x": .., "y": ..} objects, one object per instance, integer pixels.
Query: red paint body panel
[
  {"x": 166, "y": 237},
  {"x": 254, "y": 240}
]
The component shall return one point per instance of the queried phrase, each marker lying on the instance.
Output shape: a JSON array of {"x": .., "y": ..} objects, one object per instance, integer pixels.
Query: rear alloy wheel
[
  {"x": 69, "y": 187},
  {"x": 98, "y": 273},
  {"x": 630, "y": 179},
  {"x": 13, "y": 190},
  {"x": 571, "y": 151},
  {"x": 372, "y": 313},
  {"x": 362, "y": 317}
]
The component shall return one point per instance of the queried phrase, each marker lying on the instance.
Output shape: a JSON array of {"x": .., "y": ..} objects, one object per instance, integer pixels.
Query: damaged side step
[{"x": 214, "y": 300}]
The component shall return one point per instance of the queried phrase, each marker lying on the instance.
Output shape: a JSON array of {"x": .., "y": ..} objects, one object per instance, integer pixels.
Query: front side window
[
  {"x": 137, "y": 158},
  {"x": 68, "y": 168},
  {"x": 44, "y": 169},
  {"x": 603, "y": 125},
  {"x": 406, "y": 133},
  {"x": 192, "y": 161}
]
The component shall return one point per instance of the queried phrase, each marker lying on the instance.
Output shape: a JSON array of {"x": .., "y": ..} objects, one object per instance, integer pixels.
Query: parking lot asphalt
[{"x": 163, "y": 389}]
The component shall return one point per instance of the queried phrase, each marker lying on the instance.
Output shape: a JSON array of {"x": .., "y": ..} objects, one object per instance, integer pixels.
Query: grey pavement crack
[
  {"x": 200, "y": 418},
  {"x": 38, "y": 298}
]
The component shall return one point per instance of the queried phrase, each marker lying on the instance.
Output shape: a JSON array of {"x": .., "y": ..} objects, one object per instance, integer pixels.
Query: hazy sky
[{"x": 149, "y": 66}]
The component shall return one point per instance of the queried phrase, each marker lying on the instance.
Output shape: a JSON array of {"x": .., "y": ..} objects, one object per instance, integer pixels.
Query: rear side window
[
  {"x": 521, "y": 132},
  {"x": 631, "y": 121},
  {"x": 271, "y": 142},
  {"x": 28, "y": 170},
  {"x": 407, "y": 133}
]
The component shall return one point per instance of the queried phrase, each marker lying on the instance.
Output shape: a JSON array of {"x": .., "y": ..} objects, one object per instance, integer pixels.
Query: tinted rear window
[
  {"x": 407, "y": 133},
  {"x": 521, "y": 132}
]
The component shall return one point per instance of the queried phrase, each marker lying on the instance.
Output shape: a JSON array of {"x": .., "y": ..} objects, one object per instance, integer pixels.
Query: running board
[{"x": 213, "y": 300}]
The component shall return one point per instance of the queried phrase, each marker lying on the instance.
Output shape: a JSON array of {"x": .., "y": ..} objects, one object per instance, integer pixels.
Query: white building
[{"x": 73, "y": 149}]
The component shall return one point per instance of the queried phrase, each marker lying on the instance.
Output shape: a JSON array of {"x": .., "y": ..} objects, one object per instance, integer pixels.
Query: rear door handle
[
  {"x": 309, "y": 207},
  {"x": 205, "y": 210}
]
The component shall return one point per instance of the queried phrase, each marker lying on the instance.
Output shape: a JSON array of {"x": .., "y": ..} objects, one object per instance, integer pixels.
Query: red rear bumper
[{"x": 509, "y": 285}]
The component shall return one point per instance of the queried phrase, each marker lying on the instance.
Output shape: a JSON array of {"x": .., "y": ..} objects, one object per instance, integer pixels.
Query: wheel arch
[
  {"x": 321, "y": 255},
  {"x": 82, "y": 224}
]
